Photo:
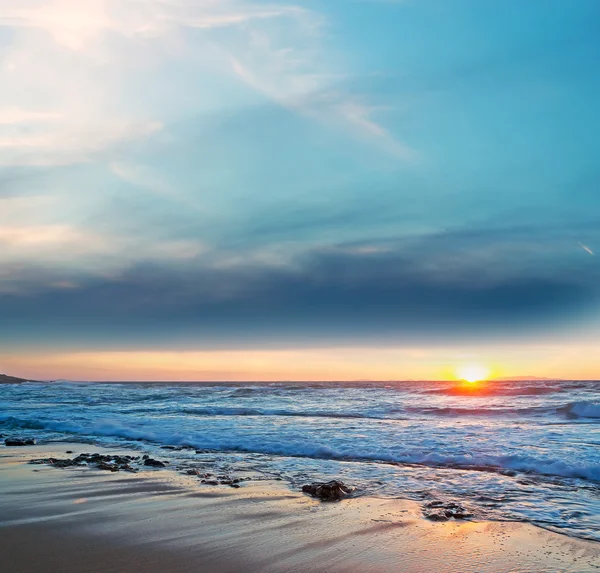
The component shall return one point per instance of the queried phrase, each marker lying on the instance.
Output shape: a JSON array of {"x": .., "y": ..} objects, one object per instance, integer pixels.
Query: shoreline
[{"x": 83, "y": 519}]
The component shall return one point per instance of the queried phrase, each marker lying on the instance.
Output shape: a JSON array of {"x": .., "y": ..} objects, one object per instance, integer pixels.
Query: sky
[{"x": 342, "y": 189}]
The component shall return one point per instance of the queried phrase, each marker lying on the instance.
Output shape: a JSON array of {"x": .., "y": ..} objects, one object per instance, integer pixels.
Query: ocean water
[{"x": 525, "y": 451}]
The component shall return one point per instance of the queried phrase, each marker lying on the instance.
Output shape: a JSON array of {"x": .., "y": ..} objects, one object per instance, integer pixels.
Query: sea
[{"x": 518, "y": 450}]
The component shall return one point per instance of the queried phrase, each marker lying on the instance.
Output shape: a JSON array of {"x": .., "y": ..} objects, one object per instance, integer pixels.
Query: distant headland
[{"x": 5, "y": 379}]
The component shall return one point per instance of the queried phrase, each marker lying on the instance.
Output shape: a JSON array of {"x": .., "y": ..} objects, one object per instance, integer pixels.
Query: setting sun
[{"x": 473, "y": 373}]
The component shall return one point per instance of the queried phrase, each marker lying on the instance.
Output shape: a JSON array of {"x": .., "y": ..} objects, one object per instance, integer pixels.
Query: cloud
[
  {"x": 145, "y": 177},
  {"x": 291, "y": 80},
  {"x": 68, "y": 251},
  {"x": 16, "y": 115},
  {"x": 80, "y": 55},
  {"x": 77, "y": 23},
  {"x": 67, "y": 144},
  {"x": 347, "y": 293}
]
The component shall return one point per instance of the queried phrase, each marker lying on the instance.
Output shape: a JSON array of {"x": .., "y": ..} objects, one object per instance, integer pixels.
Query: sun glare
[{"x": 473, "y": 373}]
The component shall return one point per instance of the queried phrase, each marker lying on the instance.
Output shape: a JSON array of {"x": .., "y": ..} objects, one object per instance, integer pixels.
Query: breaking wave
[
  {"x": 165, "y": 436},
  {"x": 583, "y": 410}
]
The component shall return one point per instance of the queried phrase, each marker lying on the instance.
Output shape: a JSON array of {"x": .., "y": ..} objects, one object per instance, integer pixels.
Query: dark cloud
[{"x": 341, "y": 294}]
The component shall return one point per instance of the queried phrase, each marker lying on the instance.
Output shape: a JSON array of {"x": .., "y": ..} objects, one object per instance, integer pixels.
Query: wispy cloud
[
  {"x": 65, "y": 250},
  {"x": 151, "y": 180},
  {"x": 16, "y": 115},
  {"x": 77, "y": 23},
  {"x": 66, "y": 143},
  {"x": 300, "y": 80},
  {"x": 89, "y": 48}
]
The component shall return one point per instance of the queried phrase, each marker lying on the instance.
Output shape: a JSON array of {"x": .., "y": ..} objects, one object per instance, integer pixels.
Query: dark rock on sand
[
  {"x": 19, "y": 442},
  {"x": 209, "y": 479},
  {"x": 107, "y": 466},
  {"x": 456, "y": 511},
  {"x": 56, "y": 462},
  {"x": 154, "y": 463},
  {"x": 446, "y": 510},
  {"x": 109, "y": 462},
  {"x": 436, "y": 517},
  {"x": 233, "y": 482},
  {"x": 328, "y": 491},
  {"x": 433, "y": 504},
  {"x": 69, "y": 452}
]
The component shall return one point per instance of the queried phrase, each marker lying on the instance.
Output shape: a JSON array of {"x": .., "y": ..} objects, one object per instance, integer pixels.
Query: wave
[
  {"x": 257, "y": 445},
  {"x": 232, "y": 411},
  {"x": 582, "y": 410},
  {"x": 492, "y": 411},
  {"x": 241, "y": 411}
]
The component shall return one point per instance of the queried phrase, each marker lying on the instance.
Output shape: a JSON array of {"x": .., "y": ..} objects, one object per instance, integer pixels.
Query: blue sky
[{"x": 197, "y": 174}]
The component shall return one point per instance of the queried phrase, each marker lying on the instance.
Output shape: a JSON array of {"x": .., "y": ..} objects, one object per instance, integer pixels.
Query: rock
[
  {"x": 436, "y": 517},
  {"x": 19, "y": 442},
  {"x": 328, "y": 491},
  {"x": 56, "y": 462},
  {"x": 446, "y": 510},
  {"x": 69, "y": 452},
  {"x": 121, "y": 460},
  {"x": 210, "y": 481},
  {"x": 435, "y": 504},
  {"x": 107, "y": 466},
  {"x": 154, "y": 463},
  {"x": 128, "y": 468},
  {"x": 456, "y": 511},
  {"x": 110, "y": 462}
]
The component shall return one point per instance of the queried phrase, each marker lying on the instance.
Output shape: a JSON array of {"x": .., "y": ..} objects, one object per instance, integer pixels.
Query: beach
[{"x": 83, "y": 519}]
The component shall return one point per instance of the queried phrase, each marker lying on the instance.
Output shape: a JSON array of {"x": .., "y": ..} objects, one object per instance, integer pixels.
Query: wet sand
[{"x": 87, "y": 520}]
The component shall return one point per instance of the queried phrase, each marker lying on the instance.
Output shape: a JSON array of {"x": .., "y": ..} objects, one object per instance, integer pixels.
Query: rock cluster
[
  {"x": 328, "y": 491},
  {"x": 19, "y": 442},
  {"x": 110, "y": 462},
  {"x": 210, "y": 479},
  {"x": 443, "y": 511}
]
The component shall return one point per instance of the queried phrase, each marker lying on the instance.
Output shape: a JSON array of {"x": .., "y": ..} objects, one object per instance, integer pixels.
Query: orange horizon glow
[{"x": 303, "y": 364}]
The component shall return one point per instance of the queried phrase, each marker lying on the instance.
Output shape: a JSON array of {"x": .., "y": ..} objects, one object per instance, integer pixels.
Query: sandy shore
[{"x": 84, "y": 520}]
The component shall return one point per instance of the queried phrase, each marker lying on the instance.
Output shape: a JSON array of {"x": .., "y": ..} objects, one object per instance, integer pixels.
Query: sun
[{"x": 473, "y": 373}]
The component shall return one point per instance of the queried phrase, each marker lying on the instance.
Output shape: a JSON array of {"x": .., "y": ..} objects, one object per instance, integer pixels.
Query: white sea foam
[{"x": 165, "y": 435}]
